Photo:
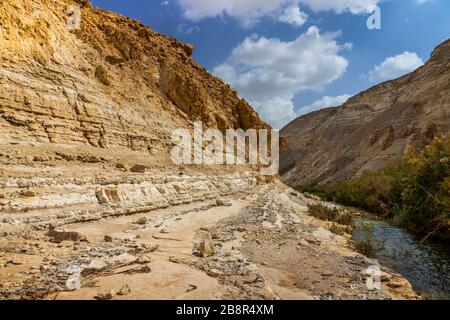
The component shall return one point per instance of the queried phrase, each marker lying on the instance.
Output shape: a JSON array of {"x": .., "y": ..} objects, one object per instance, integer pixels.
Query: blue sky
[{"x": 290, "y": 57}]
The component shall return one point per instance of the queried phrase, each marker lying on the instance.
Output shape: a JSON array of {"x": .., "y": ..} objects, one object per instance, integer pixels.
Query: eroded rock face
[
  {"x": 64, "y": 201},
  {"x": 86, "y": 117},
  {"x": 114, "y": 82},
  {"x": 373, "y": 127}
]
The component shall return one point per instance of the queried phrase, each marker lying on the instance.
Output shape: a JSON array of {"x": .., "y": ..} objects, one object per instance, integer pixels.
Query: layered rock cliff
[
  {"x": 371, "y": 128},
  {"x": 112, "y": 83}
]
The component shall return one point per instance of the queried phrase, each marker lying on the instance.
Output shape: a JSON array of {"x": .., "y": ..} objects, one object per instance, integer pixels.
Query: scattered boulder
[
  {"x": 123, "y": 167},
  {"x": 144, "y": 259},
  {"x": 204, "y": 247},
  {"x": 223, "y": 203},
  {"x": 142, "y": 221},
  {"x": 138, "y": 168},
  {"x": 60, "y": 236},
  {"x": 28, "y": 193},
  {"x": 105, "y": 296},
  {"x": 213, "y": 273},
  {"x": 108, "y": 238},
  {"x": 125, "y": 290},
  {"x": 312, "y": 240},
  {"x": 303, "y": 243},
  {"x": 107, "y": 195},
  {"x": 178, "y": 260},
  {"x": 144, "y": 269}
]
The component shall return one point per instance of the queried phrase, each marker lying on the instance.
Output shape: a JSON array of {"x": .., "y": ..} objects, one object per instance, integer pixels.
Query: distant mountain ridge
[{"x": 371, "y": 128}]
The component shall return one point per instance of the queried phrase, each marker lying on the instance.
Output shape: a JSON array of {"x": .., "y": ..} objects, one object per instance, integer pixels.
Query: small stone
[
  {"x": 223, "y": 203},
  {"x": 144, "y": 269},
  {"x": 28, "y": 193},
  {"x": 164, "y": 231},
  {"x": 108, "y": 238},
  {"x": 178, "y": 260},
  {"x": 213, "y": 273},
  {"x": 2, "y": 254},
  {"x": 123, "y": 166},
  {"x": 105, "y": 296},
  {"x": 204, "y": 246},
  {"x": 60, "y": 236},
  {"x": 144, "y": 259},
  {"x": 303, "y": 243},
  {"x": 142, "y": 221},
  {"x": 138, "y": 168},
  {"x": 312, "y": 240},
  {"x": 125, "y": 290}
]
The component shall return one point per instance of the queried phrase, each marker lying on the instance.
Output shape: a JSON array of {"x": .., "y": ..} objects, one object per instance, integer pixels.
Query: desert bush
[
  {"x": 414, "y": 192},
  {"x": 368, "y": 245},
  {"x": 325, "y": 213},
  {"x": 320, "y": 192},
  {"x": 339, "y": 229}
]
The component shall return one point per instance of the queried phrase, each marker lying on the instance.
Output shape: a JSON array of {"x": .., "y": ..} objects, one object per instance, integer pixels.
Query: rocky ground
[{"x": 121, "y": 234}]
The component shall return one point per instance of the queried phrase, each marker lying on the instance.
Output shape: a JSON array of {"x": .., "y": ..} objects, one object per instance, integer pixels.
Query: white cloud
[
  {"x": 325, "y": 102},
  {"x": 340, "y": 6},
  {"x": 269, "y": 72},
  {"x": 397, "y": 66},
  {"x": 293, "y": 15},
  {"x": 186, "y": 29},
  {"x": 248, "y": 12}
]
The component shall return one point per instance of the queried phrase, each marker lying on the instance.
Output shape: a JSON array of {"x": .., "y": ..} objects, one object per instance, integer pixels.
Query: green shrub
[
  {"x": 369, "y": 245},
  {"x": 330, "y": 214},
  {"x": 339, "y": 229},
  {"x": 414, "y": 192},
  {"x": 321, "y": 192}
]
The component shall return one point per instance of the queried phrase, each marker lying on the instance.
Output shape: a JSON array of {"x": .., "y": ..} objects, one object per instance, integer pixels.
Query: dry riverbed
[{"x": 261, "y": 245}]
